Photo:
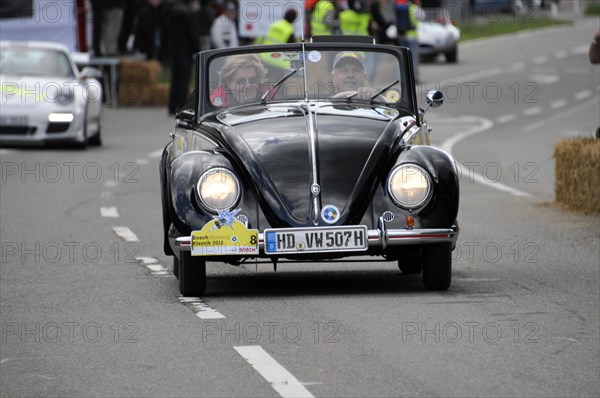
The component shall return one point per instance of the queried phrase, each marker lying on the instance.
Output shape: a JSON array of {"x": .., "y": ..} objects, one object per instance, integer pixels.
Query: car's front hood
[{"x": 341, "y": 150}]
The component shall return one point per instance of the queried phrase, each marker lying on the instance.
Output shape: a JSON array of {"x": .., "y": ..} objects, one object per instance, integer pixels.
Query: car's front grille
[
  {"x": 17, "y": 130},
  {"x": 57, "y": 127}
]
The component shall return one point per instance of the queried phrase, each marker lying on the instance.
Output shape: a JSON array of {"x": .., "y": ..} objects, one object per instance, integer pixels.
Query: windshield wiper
[
  {"x": 263, "y": 99},
  {"x": 383, "y": 90}
]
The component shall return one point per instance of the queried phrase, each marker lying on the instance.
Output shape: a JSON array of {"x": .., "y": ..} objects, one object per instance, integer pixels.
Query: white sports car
[
  {"x": 44, "y": 97},
  {"x": 440, "y": 37}
]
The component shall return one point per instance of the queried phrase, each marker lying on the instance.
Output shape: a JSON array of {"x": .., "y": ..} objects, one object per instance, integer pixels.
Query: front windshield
[
  {"x": 29, "y": 61},
  {"x": 331, "y": 74}
]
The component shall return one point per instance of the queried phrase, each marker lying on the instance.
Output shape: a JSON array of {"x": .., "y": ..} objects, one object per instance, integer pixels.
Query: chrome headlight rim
[
  {"x": 423, "y": 202},
  {"x": 208, "y": 173}
]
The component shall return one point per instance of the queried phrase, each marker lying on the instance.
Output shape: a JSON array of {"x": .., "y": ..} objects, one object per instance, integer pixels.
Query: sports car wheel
[
  {"x": 411, "y": 261},
  {"x": 96, "y": 140},
  {"x": 176, "y": 267},
  {"x": 192, "y": 275},
  {"x": 437, "y": 266},
  {"x": 452, "y": 56}
]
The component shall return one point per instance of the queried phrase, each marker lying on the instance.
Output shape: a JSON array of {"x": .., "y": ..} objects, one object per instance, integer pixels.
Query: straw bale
[
  {"x": 139, "y": 71},
  {"x": 135, "y": 94},
  {"x": 160, "y": 94},
  {"x": 577, "y": 174}
]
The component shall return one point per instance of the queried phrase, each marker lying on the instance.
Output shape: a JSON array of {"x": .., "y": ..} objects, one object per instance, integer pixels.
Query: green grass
[
  {"x": 592, "y": 9},
  {"x": 492, "y": 28}
]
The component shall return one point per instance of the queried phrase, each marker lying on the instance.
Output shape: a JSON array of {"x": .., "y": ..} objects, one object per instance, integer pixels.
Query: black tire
[
  {"x": 176, "y": 267},
  {"x": 452, "y": 56},
  {"x": 96, "y": 140},
  {"x": 411, "y": 260},
  {"x": 192, "y": 275},
  {"x": 437, "y": 266}
]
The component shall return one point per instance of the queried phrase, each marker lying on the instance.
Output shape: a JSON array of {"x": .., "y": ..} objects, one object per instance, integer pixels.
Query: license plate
[
  {"x": 315, "y": 240},
  {"x": 215, "y": 239},
  {"x": 14, "y": 120}
]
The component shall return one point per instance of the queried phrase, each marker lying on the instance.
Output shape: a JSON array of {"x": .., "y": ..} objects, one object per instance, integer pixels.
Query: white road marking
[
  {"x": 582, "y": 95},
  {"x": 146, "y": 260},
  {"x": 558, "y": 103},
  {"x": 107, "y": 195},
  {"x": 541, "y": 78},
  {"x": 476, "y": 279},
  {"x": 109, "y": 211},
  {"x": 506, "y": 118},
  {"x": 111, "y": 184},
  {"x": 486, "y": 124},
  {"x": 583, "y": 49},
  {"x": 203, "y": 310},
  {"x": 7, "y": 151},
  {"x": 563, "y": 114},
  {"x": 540, "y": 60},
  {"x": 141, "y": 161},
  {"x": 517, "y": 66},
  {"x": 281, "y": 380},
  {"x": 533, "y": 111},
  {"x": 126, "y": 234},
  {"x": 156, "y": 154},
  {"x": 565, "y": 339},
  {"x": 561, "y": 54}
]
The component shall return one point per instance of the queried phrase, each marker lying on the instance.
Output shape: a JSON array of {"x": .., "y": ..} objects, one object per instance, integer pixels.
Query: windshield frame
[{"x": 204, "y": 106}]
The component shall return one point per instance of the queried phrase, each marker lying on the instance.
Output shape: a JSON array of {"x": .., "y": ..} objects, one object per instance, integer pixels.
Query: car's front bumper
[{"x": 378, "y": 239}]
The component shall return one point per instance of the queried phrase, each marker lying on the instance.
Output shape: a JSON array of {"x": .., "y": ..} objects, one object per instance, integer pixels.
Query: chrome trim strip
[{"x": 377, "y": 238}]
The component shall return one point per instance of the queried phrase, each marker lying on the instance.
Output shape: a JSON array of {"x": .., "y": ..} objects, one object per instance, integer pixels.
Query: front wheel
[
  {"x": 192, "y": 275},
  {"x": 452, "y": 56},
  {"x": 437, "y": 266}
]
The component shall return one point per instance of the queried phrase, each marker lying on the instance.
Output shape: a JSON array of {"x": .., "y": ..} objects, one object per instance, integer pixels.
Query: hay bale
[
  {"x": 146, "y": 72},
  {"x": 577, "y": 174},
  {"x": 135, "y": 94},
  {"x": 160, "y": 94}
]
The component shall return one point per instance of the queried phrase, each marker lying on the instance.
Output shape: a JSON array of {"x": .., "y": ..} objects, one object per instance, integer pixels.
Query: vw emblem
[
  {"x": 315, "y": 189},
  {"x": 330, "y": 214}
]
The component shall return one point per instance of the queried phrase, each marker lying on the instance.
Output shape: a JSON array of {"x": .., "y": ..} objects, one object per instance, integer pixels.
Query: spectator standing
[
  {"x": 323, "y": 19},
  {"x": 147, "y": 32},
  {"x": 183, "y": 43},
  {"x": 223, "y": 32},
  {"x": 355, "y": 20},
  {"x": 280, "y": 32},
  {"x": 112, "y": 20},
  {"x": 206, "y": 16},
  {"x": 408, "y": 24}
]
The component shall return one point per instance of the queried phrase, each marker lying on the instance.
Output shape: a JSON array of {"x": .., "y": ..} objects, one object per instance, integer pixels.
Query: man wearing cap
[
  {"x": 223, "y": 32},
  {"x": 349, "y": 74}
]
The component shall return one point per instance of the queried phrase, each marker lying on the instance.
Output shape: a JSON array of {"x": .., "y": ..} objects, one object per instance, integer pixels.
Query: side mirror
[
  {"x": 435, "y": 98},
  {"x": 186, "y": 117},
  {"x": 90, "y": 73}
]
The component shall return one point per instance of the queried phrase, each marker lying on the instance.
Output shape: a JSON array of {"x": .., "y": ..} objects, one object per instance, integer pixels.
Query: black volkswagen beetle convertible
[{"x": 307, "y": 152}]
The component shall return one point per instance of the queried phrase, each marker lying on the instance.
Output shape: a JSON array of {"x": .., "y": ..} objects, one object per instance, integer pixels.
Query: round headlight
[
  {"x": 409, "y": 186},
  {"x": 218, "y": 189}
]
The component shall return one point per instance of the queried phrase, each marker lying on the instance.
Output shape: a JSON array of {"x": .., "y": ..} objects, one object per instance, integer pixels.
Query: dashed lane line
[
  {"x": 109, "y": 212},
  {"x": 202, "y": 310},
  {"x": 126, "y": 234},
  {"x": 280, "y": 379}
]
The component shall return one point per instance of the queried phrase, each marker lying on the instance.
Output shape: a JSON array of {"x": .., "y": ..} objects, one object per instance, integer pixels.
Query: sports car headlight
[
  {"x": 218, "y": 189},
  {"x": 409, "y": 186}
]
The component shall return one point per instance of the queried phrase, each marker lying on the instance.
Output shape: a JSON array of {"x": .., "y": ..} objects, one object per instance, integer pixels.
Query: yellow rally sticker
[{"x": 216, "y": 239}]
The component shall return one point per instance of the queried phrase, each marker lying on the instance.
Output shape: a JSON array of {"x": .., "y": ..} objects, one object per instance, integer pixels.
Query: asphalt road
[{"x": 88, "y": 307}]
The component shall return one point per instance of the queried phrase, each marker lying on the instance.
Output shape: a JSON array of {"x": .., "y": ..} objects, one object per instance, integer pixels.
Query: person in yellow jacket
[
  {"x": 409, "y": 38},
  {"x": 355, "y": 20},
  {"x": 323, "y": 19},
  {"x": 280, "y": 32}
]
